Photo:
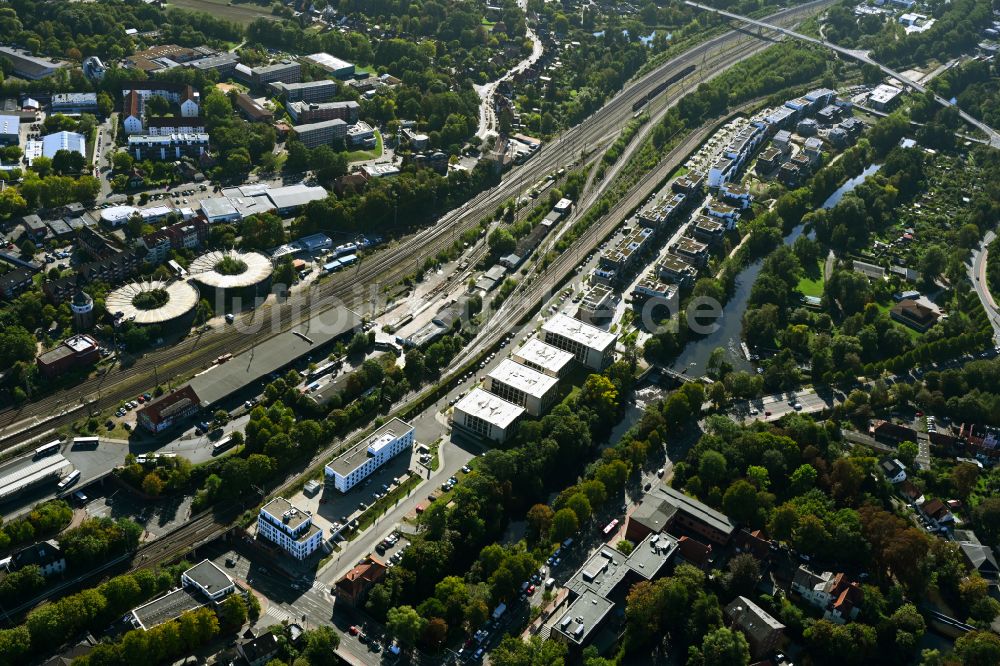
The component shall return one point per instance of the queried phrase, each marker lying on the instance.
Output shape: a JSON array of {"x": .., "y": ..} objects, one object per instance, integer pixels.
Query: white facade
[
  {"x": 592, "y": 346},
  {"x": 289, "y": 528},
  {"x": 361, "y": 460},
  {"x": 133, "y": 124},
  {"x": 544, "y": 358},
  {"x": 483, "y": 414},
  {"x": 523, "y": 386}
]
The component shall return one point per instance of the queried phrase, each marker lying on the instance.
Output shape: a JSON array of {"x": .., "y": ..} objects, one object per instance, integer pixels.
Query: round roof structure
[
  {"x": 181, "y": 299},
  {"x": 204, "y": 269}
]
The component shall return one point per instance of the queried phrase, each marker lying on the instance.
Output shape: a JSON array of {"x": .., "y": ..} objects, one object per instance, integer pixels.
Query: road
[
  {"x": 861, "y": 56},
  {"x": 360, "y": 287},
  {"x": 977, "y": 274},
  {"x": 487, "y": 113}
]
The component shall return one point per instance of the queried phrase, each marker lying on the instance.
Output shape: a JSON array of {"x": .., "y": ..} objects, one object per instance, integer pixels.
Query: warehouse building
[
  {"x": 340, "y": 69},
  {"x": 76, "y": 352},
  {"x": 592, "y": 346},
  {"x": 483, "y": 415},
  {"x": 358, "y": 462},
  {"x": 522, "y": 386}
]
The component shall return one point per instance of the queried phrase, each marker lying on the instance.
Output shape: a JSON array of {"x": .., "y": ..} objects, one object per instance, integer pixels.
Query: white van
[{"x": 550, "y": 583}]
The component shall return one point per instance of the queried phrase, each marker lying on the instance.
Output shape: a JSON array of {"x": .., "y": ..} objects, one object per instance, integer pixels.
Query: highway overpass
[{"x": 860, "y": 56}]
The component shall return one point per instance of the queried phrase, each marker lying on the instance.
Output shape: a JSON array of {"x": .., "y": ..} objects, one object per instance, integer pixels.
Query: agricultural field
[{"x": 225, "y": 9}]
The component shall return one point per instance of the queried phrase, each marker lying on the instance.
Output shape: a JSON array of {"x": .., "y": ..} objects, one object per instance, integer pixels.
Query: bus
[
  {"x": 69, "y": 479},
  {"x": 610, "y": 527},
  {"x": 222, "y": 444},
  {"x": 85, "y": 442},
  {"x": 48, "y": 449}
]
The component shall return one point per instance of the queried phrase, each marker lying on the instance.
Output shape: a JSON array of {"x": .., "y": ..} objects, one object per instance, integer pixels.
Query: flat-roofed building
[
  {"x": 544, "y": 358},
  {"x": 28, "y": 66},
  {"x": 289, "y": 527},
  {"x": 676, "y": 269},
  {"x": 592, "y": 346},
  {"x": 167, "y": 147},
  {"x": 74, "y": 102},
  {"x": 10, "y": 130},
  {"x": 305, "y": 91},
  {"x": 603, "y": 581},
  {"x": 598, "y": 305},
  {"x": 324, "y": 133},
  {"x": 286, "y": 71},
  {"x": 484, "y": 415},
  {"x": 524, "y": 386},
  {"x": 312, "y": 112},
  {"x": 223, "y": 63},
  {"x": 341, "y": 69},
  {"x": 707, "y": 230},
  {"x": 692, "y": 249},
  {"x": 884, "y": 97},
  {"x": 203, "y": 584},
  {"x": 361, "y": 134},
  {"x": 354, "y": 465},
  {"x": 78, "y": 351}
]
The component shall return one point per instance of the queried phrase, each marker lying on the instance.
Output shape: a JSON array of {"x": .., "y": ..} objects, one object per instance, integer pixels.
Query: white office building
[
  {"x": 522, "y": 386},
  {"x": 482, "y": 414},
  {"x": 291, "y": 528},
  {"x": 592, "y": 346},
  {"x": 544, "y": 358},
  {"x": 351, "y": 467}
]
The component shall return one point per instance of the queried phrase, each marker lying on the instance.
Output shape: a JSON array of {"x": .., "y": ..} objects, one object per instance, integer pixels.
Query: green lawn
[
  {"x": 361, "y": 155},
  {"x": 681, "y": 171},
  {"x": 813, "y": 286}
]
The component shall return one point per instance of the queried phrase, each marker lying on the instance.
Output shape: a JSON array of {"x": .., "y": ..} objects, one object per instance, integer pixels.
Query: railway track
[{"x": 385, "y": 267}]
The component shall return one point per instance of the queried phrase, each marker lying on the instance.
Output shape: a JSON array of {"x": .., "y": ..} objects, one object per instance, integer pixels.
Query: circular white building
[
  {"x": 224, "y": 274},
  {"x": 153, "y": 302}
]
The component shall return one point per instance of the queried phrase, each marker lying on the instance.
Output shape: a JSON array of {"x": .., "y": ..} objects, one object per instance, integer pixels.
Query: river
[{"x": 728, "y": 335}]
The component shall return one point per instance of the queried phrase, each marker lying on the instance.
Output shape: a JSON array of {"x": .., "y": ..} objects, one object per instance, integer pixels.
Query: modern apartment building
[
  {"x": 351, "y": 467},
  {"x": 290, "y": 528}
]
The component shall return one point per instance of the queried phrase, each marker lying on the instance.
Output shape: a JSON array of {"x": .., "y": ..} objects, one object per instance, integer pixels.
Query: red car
[
  {"x": 354, "y": 630},
  {"x": 531, "y": 590},
  {"x": 141, "y": 399}
]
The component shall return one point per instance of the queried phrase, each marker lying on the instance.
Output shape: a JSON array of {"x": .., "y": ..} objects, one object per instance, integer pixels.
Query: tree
[
  {"x": 744, "y": 573},
  {"x": 105, "y": 105},
  {"x": 233, "y": 611},
  {"x": 600, "y": 395},
  {"x": 724, "y": 647},
  {"x": 321, "y": 645},
  {"x": 803, "y": 479},
  {"x": 564, "y": 524},
  {"x": 978, "y": 648},
  {"x": 580, "y": 506},
  {"x": 435, "y": 633},
  {"x": 501, "y": 242},
  {"x": 741, "y": 502},
  {"x": 405, "y": 624},
  {"x": 152, "y": 484},
  {"x": 22, "y": 584},
  {"x": 987, "y": 518},
  {"x": 964, "y": 477},
  {"x": 712, "y": 468},
  {"x": 907, "y": 453},
  {"x": 536, "y": 651},
  {"x": 539, "y": 521},
  {"x": 16, "y": 344}
]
